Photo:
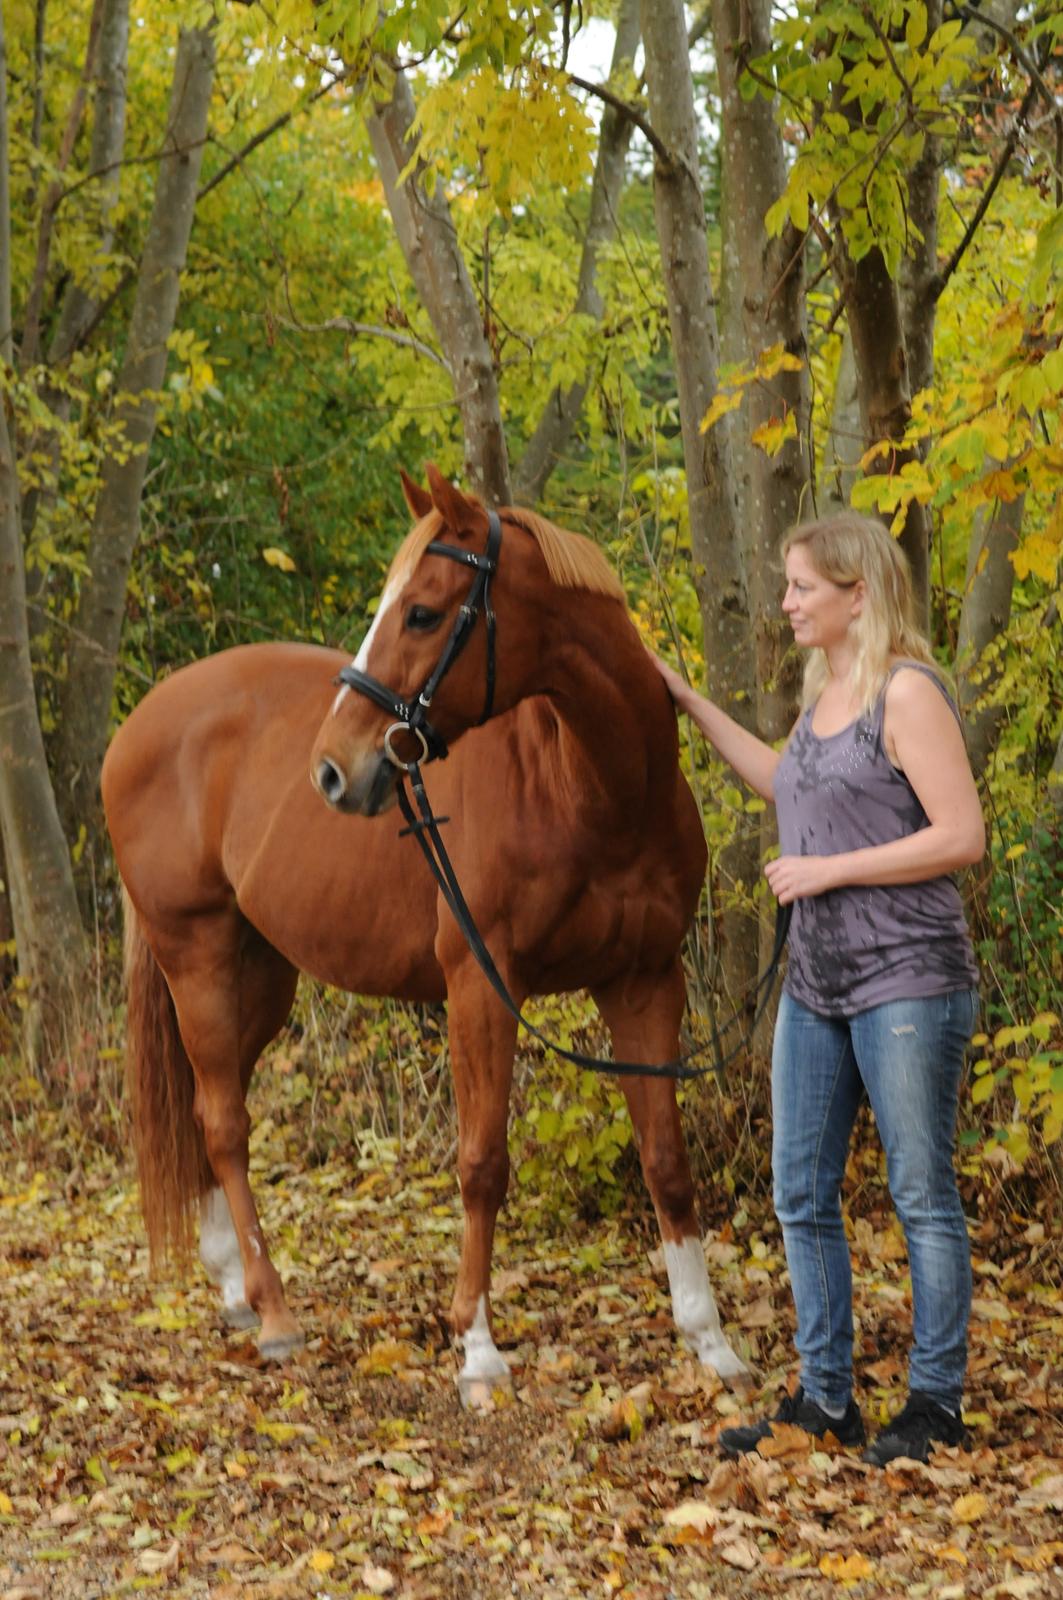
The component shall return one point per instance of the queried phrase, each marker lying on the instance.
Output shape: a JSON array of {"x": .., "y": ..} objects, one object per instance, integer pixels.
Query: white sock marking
[
  {"x": 219, "y": 1249},
  {"x": 694, "y": 1307},
  {"x": 484, "y": 1363}
]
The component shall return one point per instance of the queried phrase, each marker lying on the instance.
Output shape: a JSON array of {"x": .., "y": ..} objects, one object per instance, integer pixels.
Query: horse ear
[
  {"x": 418, "y": 499},
  {"x": 460, "y": 512}
]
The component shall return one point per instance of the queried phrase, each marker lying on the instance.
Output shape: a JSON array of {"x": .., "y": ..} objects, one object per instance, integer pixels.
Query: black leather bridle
[{"x": 411, "y": 717}]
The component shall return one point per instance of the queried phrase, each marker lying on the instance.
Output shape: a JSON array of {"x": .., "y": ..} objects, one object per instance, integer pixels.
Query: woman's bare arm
[{"x": 753, "y": 760}]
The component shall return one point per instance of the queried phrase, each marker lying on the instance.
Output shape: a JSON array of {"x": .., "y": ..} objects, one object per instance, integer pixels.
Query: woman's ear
[{"x": 859, "y": 596}]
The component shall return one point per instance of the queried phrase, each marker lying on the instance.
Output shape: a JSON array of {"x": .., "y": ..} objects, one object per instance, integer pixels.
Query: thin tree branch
[
  {"x": 31, "y": 327},
  {"x": 990, "y": 189},
  {"x": 626, "y": 109},
  {"x": 1029, "y": 66},
  {"x": 264, "y": 133},
  {"x": 226, "y": 171},
  {"x": 346, "y": 325},
  {"x": 894, "y": 66},
  {"x": 982, "y": 19}
]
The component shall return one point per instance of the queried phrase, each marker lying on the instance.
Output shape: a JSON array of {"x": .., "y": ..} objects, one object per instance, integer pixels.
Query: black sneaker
[
  {"x": 915, "y": 1431},
  {"x": 800, "y": 1413}
]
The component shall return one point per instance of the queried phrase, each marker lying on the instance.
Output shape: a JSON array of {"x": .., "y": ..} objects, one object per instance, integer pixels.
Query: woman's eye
[{"x": 422, "y": 619}]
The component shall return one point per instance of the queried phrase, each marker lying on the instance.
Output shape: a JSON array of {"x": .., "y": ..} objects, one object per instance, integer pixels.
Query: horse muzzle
[{"x": 366, "y": 793}]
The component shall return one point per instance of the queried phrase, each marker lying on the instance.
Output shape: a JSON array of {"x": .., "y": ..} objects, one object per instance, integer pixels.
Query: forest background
[
  {"x": 745, "y": 265},
  {"x": 677, "y": 276}
]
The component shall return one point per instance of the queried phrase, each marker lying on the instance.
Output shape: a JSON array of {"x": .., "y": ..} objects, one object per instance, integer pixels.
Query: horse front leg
[
  {"x": 482, "y": 1040},
  {"x": 643, "y": 1015}
]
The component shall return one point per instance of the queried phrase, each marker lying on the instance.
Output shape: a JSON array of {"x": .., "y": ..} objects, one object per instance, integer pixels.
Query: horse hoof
[
  {"x": 478, "y": 1394},
  {"x": 279, "y": 1346},
  {"x": 240, "y": 1316},
  {"x": 729, "y": 1368}
]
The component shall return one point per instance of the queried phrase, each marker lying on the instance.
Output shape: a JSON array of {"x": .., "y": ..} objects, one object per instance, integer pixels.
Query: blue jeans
[{"x": 907, "y": 1055}]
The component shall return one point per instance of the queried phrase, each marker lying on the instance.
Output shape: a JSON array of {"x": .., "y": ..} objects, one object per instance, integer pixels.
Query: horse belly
[{"x": 338, "y": 900}]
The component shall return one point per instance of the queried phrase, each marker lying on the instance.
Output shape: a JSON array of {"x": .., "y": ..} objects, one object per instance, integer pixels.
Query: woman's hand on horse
[
  {"x": 677, "y": 686},
  {"x": 801, "y": 877}
]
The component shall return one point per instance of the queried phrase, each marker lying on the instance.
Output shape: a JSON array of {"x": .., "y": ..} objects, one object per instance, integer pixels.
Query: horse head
[{"x": 427, "y": 668}]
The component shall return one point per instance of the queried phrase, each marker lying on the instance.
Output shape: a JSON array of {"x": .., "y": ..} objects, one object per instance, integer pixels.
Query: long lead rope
[{"x": 425, "y": 829}]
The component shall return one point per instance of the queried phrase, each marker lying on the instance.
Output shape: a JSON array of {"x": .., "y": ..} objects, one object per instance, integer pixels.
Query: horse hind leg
[
  {"x": 267, "y": 988},
  {"x": 232, "y": 992},
  {"x": 643, "y": 1015}
]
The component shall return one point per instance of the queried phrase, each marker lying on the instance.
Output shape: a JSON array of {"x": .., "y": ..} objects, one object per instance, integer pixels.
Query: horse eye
[{"x": 422, "y": 619}]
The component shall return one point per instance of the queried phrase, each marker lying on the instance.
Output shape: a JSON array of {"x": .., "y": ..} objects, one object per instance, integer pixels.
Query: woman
[{"x": 876, "y": 807}]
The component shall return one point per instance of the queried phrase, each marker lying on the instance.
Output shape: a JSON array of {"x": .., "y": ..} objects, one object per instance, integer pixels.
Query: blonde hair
[{"x": 846, "y": 549}]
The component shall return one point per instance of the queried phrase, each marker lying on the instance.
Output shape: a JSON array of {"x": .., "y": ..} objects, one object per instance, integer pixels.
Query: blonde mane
[{"x": 572, "y": 560}]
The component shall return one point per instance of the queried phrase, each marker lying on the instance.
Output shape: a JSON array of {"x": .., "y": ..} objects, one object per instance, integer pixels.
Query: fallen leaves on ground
[{"x": 144, "y": 1448}]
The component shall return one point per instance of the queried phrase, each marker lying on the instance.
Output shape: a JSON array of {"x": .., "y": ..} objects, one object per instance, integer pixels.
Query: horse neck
[{"x": 618, "y": 737}]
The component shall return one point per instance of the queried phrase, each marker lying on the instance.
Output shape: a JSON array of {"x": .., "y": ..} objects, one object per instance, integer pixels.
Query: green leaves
[{"x": 869, "y": 85}]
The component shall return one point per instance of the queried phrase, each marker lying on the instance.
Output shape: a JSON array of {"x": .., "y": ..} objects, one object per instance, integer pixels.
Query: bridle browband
[{"x": 412, "y": 717}]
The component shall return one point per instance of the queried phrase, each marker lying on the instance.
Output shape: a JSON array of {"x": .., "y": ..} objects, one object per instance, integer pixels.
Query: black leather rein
[{"x": 411, "y": 717}]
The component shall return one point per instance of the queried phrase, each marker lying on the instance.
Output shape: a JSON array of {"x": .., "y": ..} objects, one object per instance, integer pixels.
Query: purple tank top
[{"x": 859, "y": 946}]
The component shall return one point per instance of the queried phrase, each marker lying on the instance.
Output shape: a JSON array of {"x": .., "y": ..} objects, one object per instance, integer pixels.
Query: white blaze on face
[
  {"x": 694, "y": 1307},
  {"x": 361, "y": 661},
  {"x": 387, "y": 600}
]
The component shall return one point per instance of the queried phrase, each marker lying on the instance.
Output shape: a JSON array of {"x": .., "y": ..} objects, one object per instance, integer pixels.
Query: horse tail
[{"x": 172, "y": 1165}]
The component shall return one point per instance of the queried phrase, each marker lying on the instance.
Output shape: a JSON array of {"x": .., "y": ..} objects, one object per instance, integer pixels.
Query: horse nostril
[{"x": 330, "y": 781}]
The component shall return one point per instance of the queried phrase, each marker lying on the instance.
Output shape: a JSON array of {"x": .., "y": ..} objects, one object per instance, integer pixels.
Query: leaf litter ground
[{"x": 145, "y": 1448}]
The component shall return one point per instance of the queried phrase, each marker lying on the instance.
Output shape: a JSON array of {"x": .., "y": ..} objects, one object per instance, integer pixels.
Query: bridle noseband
[{"x": 412, "y": 716}]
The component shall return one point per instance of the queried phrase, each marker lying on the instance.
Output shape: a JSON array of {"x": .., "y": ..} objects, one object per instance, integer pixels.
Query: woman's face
[{"x": 820, "y": 612}]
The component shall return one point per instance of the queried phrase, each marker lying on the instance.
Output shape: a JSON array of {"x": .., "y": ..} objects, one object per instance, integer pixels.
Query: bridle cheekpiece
[{"x": 411, "y": 717}]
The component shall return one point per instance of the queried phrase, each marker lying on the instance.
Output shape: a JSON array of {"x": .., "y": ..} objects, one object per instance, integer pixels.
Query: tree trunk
[
  {"x": 1055, "y": 783},
  {"x": 985, "y": 614},
  {"x": 7, "y": 343},
  {"x": 919, "y": 269},
  {"x": 429, "y": 242},
  {"x": 51, "y": 944},
  {"x": 681, "y": 232},
  {"x": 772, "y": 309},
  {"x": 711, "y": 497},
  {"x": 80, "y": 303},
  {"x": 845, "y": 436},
  {"x": 86, "y": 702},
  {"x": 562, "y": 409},
  {"x": 873, "y": 305}
]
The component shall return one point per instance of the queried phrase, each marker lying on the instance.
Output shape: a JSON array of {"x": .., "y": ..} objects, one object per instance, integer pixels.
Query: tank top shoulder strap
[{"x": 928, "y": 672}]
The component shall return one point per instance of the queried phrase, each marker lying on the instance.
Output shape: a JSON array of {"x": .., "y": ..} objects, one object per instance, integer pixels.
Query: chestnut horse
[{"x": 572, "y": 831}]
